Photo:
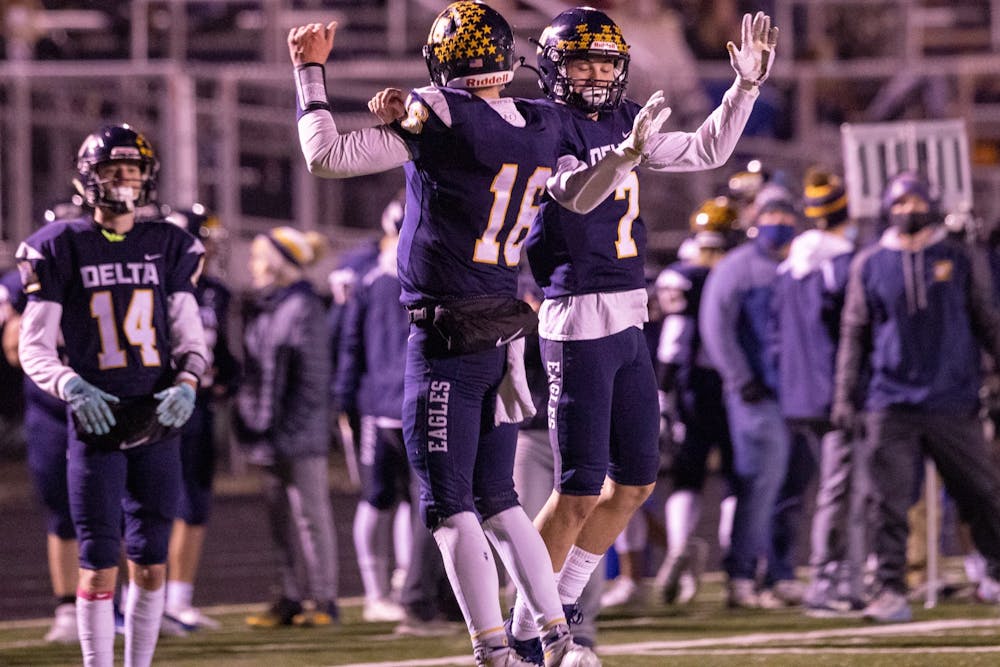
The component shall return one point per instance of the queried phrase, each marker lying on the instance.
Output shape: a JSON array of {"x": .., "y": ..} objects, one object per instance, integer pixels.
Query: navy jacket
[
  {"x": 372, "y": 355},
  {"x": 919, "y": 314}
]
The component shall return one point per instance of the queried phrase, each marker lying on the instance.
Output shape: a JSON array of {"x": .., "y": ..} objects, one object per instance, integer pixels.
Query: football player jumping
[
  {"x": 475, "y": 165},
  {"x": 122, "y": 295},
  {"x": 603, "y": 410}
]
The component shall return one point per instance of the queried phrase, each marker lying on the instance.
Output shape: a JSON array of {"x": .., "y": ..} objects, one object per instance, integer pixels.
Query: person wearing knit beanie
[
  {"x": 282, "y": 424},
  {"x": 824, "y": 199},
  {"x": 280, "y": 256},
  {"x": 806, "y": 320}
]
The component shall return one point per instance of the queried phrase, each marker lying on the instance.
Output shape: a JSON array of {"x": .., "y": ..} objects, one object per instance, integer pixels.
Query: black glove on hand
[{"x": 755, "y": 391}]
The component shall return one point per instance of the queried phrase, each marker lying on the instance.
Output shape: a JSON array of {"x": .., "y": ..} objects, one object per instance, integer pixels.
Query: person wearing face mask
[
  {"x": 282, "y": 424},
  {"x": 805, "y": 327},
  {"x": 733, "y": 324},
  {"x": 917, "y": 311}
]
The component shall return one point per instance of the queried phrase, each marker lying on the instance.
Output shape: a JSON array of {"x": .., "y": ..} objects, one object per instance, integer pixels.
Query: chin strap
[{"x": 522, "y": 63}]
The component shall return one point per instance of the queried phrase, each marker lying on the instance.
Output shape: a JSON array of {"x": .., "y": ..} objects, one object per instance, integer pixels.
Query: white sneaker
[
  {"x": 790, "y": 591},
  {"x": 179, "y": 622},
  {"x": 975, "y": 567},
  {"x": 623, "y": 590},
  {"x": 889, "y": 607},
  {"x": 687, "y": 587},
  {"x": 501, "y": 657},
  {"x": 988, "y": 590},
  {"x": 172, "y": 627},
  {"x": 742, "y": 594},
  {"x": 690, "y": 579},
  {"x": 411, "y": 626},
  {"x": 63, "y": 630},
  {"x": 381, "y": 610}
]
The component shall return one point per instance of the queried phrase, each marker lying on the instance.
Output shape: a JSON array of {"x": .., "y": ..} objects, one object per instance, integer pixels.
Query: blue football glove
[
  {"x": 90, "y": 405},
  {"x": 176, "y": 405}
]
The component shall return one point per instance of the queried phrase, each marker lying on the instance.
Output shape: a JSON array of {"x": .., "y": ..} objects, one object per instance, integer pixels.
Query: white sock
[
  {"x": 527, "y": 561},
  {"x": 143, "y": 613},
  {"x": 727, "y": 510},
  {"x": 402, "y": 536},
  {"x": 373, "y": 563},
  {"x": 576, "y": 571},
  {"x": 179, "y": 595},
  {"x": 682, "y": 510},
  {"x": 468, "y": 560},
  {"x": 95, "y": 623}
]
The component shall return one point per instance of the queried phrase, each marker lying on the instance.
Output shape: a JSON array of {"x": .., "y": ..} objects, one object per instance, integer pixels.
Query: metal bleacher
[{"x": 209, "y": 82}]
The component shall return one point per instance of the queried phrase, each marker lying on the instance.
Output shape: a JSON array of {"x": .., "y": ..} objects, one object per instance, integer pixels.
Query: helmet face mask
[
  {"x": 100, "y": 186},
  {"x": 583, "y": 34},
  {"x": 470, "y": 45}
]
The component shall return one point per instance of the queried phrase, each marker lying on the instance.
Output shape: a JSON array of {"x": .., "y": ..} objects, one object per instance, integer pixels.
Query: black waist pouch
[
  {"x": 136, "y": 424},
  {"x": 484, "y": 323}
]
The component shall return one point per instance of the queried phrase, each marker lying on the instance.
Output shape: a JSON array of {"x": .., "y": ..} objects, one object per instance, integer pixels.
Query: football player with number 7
[
  {"x": 122, "y": 295},
  {"x": 603, "y": 410}
]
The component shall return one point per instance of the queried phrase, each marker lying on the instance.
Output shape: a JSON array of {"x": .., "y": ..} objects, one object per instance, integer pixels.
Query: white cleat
[
  {"x": 382, "y": 611},
  {"x": 623, "y": 591},
  {"x": 501, "y": 657},
  {"x": 564, "y": 652},
  {"x": 63, "y": 630}
]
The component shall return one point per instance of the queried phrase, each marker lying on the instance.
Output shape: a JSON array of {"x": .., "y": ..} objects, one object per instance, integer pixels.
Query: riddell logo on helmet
[
  {"x": 482, "y": 80},
  {"x": 603, "y": 46}
]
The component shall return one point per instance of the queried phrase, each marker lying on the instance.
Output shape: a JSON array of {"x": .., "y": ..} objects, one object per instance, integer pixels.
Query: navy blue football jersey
[
  {"x": 472, "y": 193},
  {"x": 114, "y": 297},
  {"x": 681, "y": 285},
  {"x": 600, "y": 251}
]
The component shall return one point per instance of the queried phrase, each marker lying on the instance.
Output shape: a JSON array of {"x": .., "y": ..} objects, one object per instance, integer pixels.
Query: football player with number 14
[{"x": 122, "y": 295}]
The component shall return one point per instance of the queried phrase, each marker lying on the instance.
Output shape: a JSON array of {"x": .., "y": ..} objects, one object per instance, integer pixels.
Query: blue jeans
[{"x": 761, "y": 446}]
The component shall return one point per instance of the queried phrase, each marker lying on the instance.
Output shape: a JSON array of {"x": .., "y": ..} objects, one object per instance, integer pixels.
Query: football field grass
[{"x": 703, "y": 634}]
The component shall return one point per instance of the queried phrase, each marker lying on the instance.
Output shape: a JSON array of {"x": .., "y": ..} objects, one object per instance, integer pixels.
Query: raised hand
[
  {"x": 90, "y": 405},
  {"x": 311, "y": 43},
  {"x": 388, "y": 104},
  {"x": 644, "y": 126},
  {"x": 752, "y": 61}
]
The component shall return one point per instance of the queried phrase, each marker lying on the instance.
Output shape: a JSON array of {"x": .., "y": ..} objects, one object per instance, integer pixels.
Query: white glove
[
  {"x": 752, "y": 61},
  {"x": 644, "y": 126}
]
